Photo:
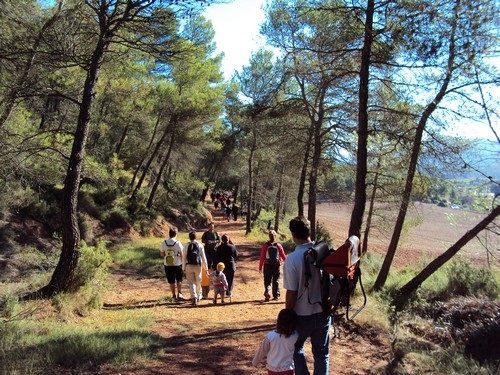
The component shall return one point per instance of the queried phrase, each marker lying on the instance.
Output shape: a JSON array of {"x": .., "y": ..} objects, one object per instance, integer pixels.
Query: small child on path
[
  {"x": 205, "y": 283},
  {"x": 219, "y": 282},
  {"x": 278, "y": 345}
]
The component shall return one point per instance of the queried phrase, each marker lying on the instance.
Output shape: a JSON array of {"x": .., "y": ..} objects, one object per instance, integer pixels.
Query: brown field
[{"x": 438, "y": 229}]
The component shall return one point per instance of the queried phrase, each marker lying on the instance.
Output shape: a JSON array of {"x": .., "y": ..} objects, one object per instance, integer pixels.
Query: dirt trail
[{"x": 221, "y": 339}]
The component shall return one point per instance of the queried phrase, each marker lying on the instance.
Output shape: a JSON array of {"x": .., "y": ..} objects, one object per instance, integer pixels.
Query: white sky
[{"x": 236, "y": 28}]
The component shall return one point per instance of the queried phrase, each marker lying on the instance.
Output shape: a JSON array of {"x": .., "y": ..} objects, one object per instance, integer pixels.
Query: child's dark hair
[{"x": 287, "y": 322}]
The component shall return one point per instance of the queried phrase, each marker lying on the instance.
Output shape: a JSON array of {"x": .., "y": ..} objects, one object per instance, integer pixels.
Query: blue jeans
[{"x": 316, "y": 327}]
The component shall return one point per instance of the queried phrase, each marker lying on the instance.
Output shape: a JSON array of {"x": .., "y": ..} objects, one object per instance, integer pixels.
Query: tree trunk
[
  {"x": 204, "y": 193},
  {"x": 407, "y": 290},
  {"x": 152, "y": 194},
  {"x": 303, "y": 175},
  {"x": 153, "y": 156},
  {"x": 250, "y": 196},
  {"x": 279, "y": 198},
  {"x": 313, "y": 175},
  {"x": 236, "y": 191},
  {"x": 362, "y": 153},
  {"x": 370, "y": 210},
  {"x": 405, "y": 201},
  {"x": 64, "y": 272},
  {"x": 139, "y": 166},
  {"x": 119, "y": 146}
]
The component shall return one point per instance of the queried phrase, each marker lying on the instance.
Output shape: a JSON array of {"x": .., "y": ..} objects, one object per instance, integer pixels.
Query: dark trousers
[
  {"x": 272, "y": 275},
  {"x": 210, "y": 254},
  {"x": 229, "y": 272}
]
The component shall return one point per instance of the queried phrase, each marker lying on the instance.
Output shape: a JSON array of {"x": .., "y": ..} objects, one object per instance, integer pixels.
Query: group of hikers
[
  {"x": 224, "y": 202},
  {"x": 214, "y": 261}
]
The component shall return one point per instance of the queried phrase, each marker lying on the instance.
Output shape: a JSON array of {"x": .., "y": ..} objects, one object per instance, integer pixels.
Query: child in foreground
[
  {"x": 278, "y": 345},
  {"x": 219, "y": 282}
]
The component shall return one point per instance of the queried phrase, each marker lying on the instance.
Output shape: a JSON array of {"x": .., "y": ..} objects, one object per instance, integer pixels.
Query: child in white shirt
[{"x": 278, "y": 345}]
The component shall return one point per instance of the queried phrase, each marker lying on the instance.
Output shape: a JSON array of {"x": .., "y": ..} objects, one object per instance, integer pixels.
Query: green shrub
[
  {"x": 93, "y": 266},
  {"x": 116, "y": 219},
  {"x": 9, "y": 306},
  {"x": 86, "y": 229},
  {"x": 466, "y": 280},
  {"x": 86, "y": 204},
  {"x": 105, "y": 198},
  {"x": 322, "y": 234}
]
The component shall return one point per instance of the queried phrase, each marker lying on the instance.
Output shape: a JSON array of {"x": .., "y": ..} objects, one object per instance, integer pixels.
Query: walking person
[
  {"x": 312, "y": 321},
  {"x": 192, "y": 261},
  {"x": 227, "y": 254},
  {"x": 219, "y": 282},
  {"x": 228, "y": 213},
  {"x": 234, "y": 211},
  {"x": 171, "y": 251},
  {"x": 278, "y": 345},
  {"x": 210, "y": 240},
  {"x": 271, "y": 257}
]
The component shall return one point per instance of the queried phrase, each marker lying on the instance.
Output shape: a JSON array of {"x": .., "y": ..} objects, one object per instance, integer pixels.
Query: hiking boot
[{"x": 267, "y": 297}]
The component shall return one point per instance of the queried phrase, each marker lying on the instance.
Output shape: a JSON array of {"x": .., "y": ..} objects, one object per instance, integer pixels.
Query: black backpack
[
  {"x": 193, "y": 254},
  {"x": 273, "y": 255}
]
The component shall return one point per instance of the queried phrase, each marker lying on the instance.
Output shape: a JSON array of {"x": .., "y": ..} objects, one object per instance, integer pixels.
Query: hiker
[
  {"x": 312, "y": 321},
  {"x": 219, "y": 282},
  {"x": 271, "y": 257},
  {"x": 171, "y": 251},
  {"x": 227, "y": 254},
  {"x": 192, "y": 260},
  {"x": 210, "y": 241},
  {"x": 278, "y": 345},
  {"x": 228, "y": 213},
  {"x": 234, "y": 211}
]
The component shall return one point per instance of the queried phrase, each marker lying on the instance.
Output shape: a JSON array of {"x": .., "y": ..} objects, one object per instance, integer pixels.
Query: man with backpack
[
  {"x": 192, "y": 261},
  {"x": 312, "y": 321},
  {"x": 271, "y": 257},
  {"x": 171, "y": 251}
]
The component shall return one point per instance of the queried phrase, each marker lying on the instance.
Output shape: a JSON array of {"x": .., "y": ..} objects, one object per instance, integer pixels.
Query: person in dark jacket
[
  {"x": 234, "y": 211},
  {"x": 228, "y": 213},
  {"x": 227, "y": 254},
  {"x": 210, "y": 240}
]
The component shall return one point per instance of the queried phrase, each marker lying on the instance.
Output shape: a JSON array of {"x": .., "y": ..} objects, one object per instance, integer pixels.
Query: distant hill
[{"x": 482, "y": 159}]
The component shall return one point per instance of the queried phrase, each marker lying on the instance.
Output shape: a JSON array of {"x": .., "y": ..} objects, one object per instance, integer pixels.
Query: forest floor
[{"x": 222, "y": 339}]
